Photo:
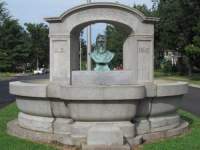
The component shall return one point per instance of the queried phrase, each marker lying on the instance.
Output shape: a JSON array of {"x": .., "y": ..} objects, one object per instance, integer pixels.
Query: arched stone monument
[{"x": 89, "y": 108}]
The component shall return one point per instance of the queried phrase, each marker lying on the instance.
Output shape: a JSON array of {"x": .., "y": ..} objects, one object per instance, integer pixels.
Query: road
[
  {"x": 191, "y": 101},
  {"x": 5, "y": 97}
]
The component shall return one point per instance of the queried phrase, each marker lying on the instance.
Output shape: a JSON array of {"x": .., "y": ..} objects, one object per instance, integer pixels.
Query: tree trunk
[{"x": 37, "y": 63}]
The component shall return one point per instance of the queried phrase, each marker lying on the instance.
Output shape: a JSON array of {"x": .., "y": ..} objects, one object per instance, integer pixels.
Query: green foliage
[
  {"x": 179, "y": 28},
  {"x": 192, "y": 51},
  {"x": 166, "y": 66},
  {"x": 83, "y": 52},
  {"x": 144, "y": 9},
  {"x": 39, "y": 43},
  {"x": 169, "y": 32},
  {"x": 115, "y": 40},
  {"x": 13, "y": 45},
  {"x": 20, "y": 47},
  {"x": 5, "y": 61},
  {"x": 12, "y": 143},
  {"x": 4, "y": 14}
]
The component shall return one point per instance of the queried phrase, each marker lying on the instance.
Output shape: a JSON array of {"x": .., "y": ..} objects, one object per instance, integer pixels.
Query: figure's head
[{"x": 101, "y": 43}]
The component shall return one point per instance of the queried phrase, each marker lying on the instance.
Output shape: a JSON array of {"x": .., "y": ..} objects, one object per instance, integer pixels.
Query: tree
[
  {"x": 39, "y": 43},
  {"x": 192, "y": 51},
  {"x": 12, "y": 37},
  {"x": 115, "y": 40},
  {"x": 4, "y": 14},
  {"x": 83, "y": 51},
  {"x": 4, "y": 60},
  {"x": 18, "y": 46},
  {"x": 175, "y": 31},
  {"x": 144, "y": 9}
]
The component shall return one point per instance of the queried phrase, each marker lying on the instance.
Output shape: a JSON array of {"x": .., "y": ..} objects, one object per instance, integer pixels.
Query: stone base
[
  {"x": 81, "y": 129},
  {"x": 45, "y": 124},
  {"x": 102, "y": 147},
  {"x": 14, "y": 129},
  {"x": 105, "y": 135},
  {"x": 181, "y": 129},
  {"x": 157, "y": 124}
]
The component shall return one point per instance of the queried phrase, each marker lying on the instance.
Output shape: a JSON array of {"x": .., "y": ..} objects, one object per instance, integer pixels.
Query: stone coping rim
[
  {"x": 102, "y": 92},
  {"x": 27, "y": 83},
  {"x": 28, "y": 89},
  {"x": 31, "y": 89},
  {"x": 173, "y": 83}
]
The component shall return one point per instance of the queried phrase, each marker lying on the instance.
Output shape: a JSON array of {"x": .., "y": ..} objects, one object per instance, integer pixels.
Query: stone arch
[
  {"x": 64, "y": 38},
  {"x": 75, "y": 35}
]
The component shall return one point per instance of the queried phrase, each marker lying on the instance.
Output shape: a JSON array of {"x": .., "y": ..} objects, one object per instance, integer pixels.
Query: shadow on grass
[{"x": 189, "y": 120}]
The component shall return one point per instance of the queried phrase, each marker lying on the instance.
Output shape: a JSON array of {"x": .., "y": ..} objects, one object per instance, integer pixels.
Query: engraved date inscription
[{"x": 144, "y": 50}]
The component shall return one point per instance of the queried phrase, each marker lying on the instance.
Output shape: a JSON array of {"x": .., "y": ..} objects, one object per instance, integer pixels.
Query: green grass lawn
[
  {"x": 189, "y": 141},
  {"x": 194, "y": 79},
  {"x": 6, "y": 76},
  {"x": 12, "y": 143}
]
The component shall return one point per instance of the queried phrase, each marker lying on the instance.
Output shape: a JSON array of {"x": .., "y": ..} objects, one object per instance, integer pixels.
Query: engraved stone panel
[
  {"x": 144, "y": 60},
  {"x": 59, "y": 47}
]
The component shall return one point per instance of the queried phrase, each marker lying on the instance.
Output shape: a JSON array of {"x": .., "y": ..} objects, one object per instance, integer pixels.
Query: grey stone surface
[
  {"x": 60, "y": 109},
  {"x": 182, "y": 128},
  {"x": 95, "y": 92},
  {"x": 105, "y": 135},
  {"x": 142, "y": 126},
  {"x": 114, "y": 92},
  {"x": 150, "y": 89},
  {"x": 164, "y": 122},
  {"x": 144, "y": 107},
  {"x": 45, "y": 124},
  {"x": 165, "y": 105},
  {"x": 14, "y": 129},
  {"x": 103, "y": 147},
  {"x": 106, "y": 111},
  {"x": 36, "y": 123},
  {"x": 33, "y": 106},
  {"x": 62, "y": 126},
  {"x": 28, "y": 89},
  {"x": 42, "y": 107},
  {"x": 158, "y": 106},
  {"x": 80, "y": 129},
  {"x": 102, "y": 78},
  {"x": 134, "y": 141},
  {"x": 171, "y": 89},
  {"x": 156, "y": 124}
]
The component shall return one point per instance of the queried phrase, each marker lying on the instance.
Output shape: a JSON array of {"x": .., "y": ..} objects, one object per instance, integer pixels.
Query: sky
[{"x": 34, "y": 11}]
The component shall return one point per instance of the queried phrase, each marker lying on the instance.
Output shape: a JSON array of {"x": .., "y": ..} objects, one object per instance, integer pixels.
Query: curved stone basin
[
  {"x": 97, "y": 103},
  {"x": 32, "y": 99},
  {"x": 81, "y": 103},
  {"x": 74, "y": 109}
]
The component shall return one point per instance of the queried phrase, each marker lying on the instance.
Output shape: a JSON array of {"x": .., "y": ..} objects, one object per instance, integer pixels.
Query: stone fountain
[{"x": 102, "y": 107}]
